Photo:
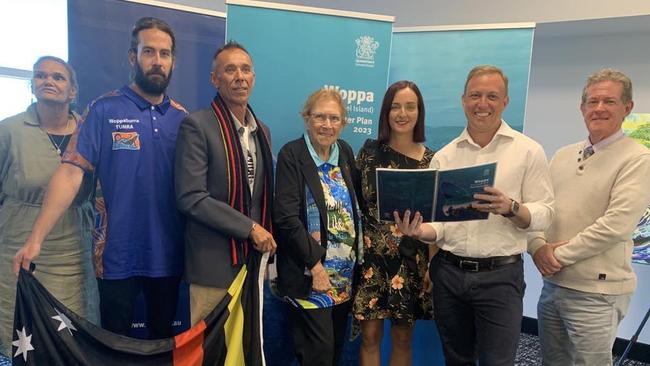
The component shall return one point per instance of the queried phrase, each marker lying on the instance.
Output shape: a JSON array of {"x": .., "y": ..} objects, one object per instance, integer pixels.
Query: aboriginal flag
[{"x": 47, "y": 333}]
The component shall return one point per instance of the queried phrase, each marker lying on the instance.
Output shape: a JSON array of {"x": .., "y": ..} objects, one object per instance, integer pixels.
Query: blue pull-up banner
[
  {"x": 438, "y": 59},
  {"x": 99, "y": 34},
  {"x": 297, "y": 50}
]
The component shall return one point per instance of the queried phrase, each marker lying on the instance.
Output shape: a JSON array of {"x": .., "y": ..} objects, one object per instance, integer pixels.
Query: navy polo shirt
[{"x": 130, "y": 144}]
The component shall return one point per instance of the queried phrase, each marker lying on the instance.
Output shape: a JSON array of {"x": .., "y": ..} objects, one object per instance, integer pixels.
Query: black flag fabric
[{"x": 47, "y": 333}]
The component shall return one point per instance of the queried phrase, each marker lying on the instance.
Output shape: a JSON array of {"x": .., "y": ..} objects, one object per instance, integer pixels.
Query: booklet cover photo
[{"x": 439, "y": 195}]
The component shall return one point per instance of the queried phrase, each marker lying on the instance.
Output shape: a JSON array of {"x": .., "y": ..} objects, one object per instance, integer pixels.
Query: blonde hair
[
  {"x": 486, "y": 70},
  {"x": 608, "y": 74},
  {"x": 320, "y": 95}
]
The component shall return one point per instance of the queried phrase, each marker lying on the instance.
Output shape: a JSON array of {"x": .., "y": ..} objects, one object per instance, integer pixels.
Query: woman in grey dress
[{"x": 31, "y": 145}]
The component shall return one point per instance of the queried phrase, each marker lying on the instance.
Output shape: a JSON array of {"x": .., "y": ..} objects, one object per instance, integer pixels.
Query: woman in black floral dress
[{"x": 393, "y": 282}]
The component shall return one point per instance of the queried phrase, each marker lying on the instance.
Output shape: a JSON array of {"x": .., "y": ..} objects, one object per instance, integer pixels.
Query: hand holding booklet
[{"x": 439, "y": 195}]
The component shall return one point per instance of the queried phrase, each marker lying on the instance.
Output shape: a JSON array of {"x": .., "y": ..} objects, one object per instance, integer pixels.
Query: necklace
[
  {"x": 62, "y": 143},
  {"x": 66, "y": 137},
  {"x": 413, "y": 152}
]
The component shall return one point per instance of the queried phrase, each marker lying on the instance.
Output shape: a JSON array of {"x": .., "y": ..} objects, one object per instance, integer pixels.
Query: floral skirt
[{"x": 391, "y": 287}]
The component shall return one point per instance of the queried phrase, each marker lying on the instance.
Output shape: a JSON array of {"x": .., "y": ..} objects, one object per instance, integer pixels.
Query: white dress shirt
[
  {"x": 248, "y": 144},
  {"x": 522, "y": 174}
]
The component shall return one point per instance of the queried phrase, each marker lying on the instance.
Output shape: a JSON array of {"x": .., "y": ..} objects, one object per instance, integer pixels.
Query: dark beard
[{"x": 149, "y": 85}]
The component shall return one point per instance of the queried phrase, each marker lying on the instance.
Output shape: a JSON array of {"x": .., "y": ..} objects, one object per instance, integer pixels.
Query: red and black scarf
[{"x": 239, "y": 194}]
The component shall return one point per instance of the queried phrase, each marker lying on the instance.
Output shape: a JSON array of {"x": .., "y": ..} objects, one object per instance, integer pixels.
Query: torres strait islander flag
[{"x": 47, "y": 333}]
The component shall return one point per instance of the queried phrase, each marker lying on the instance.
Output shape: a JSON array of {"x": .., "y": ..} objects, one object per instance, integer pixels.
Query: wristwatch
[{"x": 514, "y": 209}]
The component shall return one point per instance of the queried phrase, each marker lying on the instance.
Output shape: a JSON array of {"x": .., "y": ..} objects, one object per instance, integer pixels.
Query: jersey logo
[{"x": 126, "y": 141}]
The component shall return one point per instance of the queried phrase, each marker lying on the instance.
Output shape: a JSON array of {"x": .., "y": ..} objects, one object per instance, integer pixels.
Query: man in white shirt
[
  {"x": 585, "y": 255},
  {"x": 478, "y": 277}
]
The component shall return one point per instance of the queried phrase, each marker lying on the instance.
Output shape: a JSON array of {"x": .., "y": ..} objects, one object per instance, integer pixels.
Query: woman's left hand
[
  {"x": 320, "y": 278},
  {"x": 409, "y": 227}
]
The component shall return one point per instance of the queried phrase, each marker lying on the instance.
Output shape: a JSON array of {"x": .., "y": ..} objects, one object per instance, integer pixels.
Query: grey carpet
[{"x": 528, "y": 353}]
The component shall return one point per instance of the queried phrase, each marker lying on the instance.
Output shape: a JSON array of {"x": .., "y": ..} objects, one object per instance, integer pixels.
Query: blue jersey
[{"x": 130, "y": 144}]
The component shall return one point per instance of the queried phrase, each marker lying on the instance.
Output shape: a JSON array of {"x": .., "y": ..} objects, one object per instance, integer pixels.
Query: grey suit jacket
[{"x": 202, "y": 195}]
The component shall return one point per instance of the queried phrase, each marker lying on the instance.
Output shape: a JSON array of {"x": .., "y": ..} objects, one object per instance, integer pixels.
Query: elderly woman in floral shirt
[{"x": 317, "y": 228}]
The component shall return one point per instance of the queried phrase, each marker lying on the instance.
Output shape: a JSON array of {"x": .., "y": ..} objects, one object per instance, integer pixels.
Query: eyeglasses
[{"x": 322, "y": 117}]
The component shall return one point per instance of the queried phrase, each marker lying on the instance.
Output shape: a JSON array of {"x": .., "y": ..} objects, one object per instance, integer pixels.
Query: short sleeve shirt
[{"x": 130, "y": 145}]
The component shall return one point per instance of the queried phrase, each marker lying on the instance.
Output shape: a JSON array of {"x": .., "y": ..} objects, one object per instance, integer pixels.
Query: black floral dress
[{"x": 390, "y": 284}]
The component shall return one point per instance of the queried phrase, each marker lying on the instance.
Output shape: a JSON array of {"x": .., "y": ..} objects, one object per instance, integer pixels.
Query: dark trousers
[
  {"x": 117, "y": 299},
  {"x": 319, "y": 334},
  {"x": 478, "y": 314}
]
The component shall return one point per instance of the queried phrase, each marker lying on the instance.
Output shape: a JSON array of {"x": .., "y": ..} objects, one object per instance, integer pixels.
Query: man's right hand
[
  {"x": 545, "y": 260},
  {"x": 26, "y": 255},
  {"x": 262, "y": 240},
  {"x": 320, "y": 278}
]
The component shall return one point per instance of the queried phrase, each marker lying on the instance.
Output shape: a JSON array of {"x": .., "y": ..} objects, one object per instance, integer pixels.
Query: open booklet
[{"x": 439, "y": 195}]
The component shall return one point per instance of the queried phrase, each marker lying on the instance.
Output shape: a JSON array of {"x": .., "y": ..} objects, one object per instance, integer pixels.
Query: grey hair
[{"x": 609, "y": 74}]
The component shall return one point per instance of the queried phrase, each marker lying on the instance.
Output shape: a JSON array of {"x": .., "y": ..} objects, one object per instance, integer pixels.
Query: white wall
[
  {"x": 564, "y": 54},
  {"x": 437, "y": 12}
]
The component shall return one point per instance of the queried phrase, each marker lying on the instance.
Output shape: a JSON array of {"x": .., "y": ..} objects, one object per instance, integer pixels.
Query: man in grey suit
[{"x": 223, "y": 175}]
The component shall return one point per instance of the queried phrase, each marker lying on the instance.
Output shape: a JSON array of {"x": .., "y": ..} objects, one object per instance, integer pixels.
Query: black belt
[{"x": 478, "y": 264}]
